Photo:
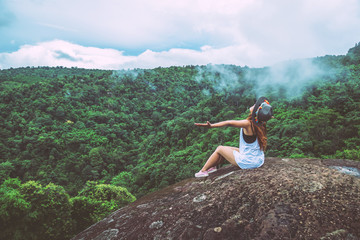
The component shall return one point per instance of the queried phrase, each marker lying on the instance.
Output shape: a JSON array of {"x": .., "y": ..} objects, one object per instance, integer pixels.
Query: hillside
[
  {"x": 284, "y": 199},
  {"x": 128, "y": 133},
  {"x": 69, "y": 126}
]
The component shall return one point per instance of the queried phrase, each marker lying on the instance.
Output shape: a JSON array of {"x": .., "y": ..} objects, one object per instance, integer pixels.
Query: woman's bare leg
[{"x": 221, "y": 151}]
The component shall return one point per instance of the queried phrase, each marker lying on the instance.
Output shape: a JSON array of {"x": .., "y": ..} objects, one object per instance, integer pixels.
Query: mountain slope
[{"x": 284, "y": 199}]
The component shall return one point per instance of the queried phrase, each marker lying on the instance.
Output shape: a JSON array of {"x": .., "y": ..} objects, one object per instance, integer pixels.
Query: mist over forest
[{"x": 88, "y": 142}]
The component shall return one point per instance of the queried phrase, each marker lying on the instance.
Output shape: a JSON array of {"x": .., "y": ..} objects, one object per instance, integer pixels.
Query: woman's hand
[{"x": 207, "y": 124}]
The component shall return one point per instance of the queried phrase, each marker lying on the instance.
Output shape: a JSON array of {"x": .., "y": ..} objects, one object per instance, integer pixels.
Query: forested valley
[{"x": 77, "y": 144}]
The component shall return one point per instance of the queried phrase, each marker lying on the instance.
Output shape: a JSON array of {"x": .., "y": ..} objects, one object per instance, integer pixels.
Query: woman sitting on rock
[{"x": 250, "y": 153}]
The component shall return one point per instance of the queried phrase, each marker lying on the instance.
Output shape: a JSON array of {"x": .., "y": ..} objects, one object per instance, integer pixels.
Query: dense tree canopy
[{"x": 118, "y": 133}]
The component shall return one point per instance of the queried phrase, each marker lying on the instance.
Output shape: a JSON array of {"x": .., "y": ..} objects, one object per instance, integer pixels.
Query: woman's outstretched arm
[{"x": 228, "y": 123}]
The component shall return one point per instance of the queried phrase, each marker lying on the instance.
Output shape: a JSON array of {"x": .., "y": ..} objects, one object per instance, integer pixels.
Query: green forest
[{"x": 77, "y": 144}]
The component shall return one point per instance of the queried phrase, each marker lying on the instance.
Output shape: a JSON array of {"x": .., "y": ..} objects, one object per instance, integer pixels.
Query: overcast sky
[{"x": 122, "y": 34}]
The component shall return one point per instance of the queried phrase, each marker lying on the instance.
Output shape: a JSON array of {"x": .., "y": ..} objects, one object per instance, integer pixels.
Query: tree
[
  {"x": 96, "y": 201},
  {"x": 31, "y": 211}
]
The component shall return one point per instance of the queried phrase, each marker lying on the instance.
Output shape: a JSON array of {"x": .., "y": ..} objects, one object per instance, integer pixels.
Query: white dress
[{"x": 250, "y": 155}]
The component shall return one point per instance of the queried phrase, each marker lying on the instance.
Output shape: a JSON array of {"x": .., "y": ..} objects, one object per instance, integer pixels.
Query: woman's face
[{"x": 252, "y": 108}]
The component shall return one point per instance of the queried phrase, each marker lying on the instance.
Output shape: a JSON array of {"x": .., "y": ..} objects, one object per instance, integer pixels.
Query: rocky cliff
[{"x": 284, "y": 199}]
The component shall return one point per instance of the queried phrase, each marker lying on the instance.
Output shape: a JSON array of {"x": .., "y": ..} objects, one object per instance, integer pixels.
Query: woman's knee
[
  {"x": 223, "y": 150},
  {"x": 227, "y": 153},
  {"x": 219, "y": 148}
]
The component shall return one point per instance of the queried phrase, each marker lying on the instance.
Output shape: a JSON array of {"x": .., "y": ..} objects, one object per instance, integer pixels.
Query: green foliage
[
  {"x": 135, "y": 129},
  {"x": 96, "y": 201},
  {"x": 353, "y": 55},
  {"x": 6, "y": 168},
  {"x": 125, "y": 179},
  {"x": 117, "y": 196},
  {"x": 69, "y": 126},
  {"x": 31, "y": 211}
]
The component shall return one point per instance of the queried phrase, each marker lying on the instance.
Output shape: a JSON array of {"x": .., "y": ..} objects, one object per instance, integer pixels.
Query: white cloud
[
  {"x": 62, "y": 53},
  {"x": 162, "y": 33}
]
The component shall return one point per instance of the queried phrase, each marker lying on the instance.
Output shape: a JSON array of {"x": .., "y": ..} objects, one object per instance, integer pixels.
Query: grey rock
[
  {"x": 283, "y": 199},
  {"x": 156, "y": 225}
]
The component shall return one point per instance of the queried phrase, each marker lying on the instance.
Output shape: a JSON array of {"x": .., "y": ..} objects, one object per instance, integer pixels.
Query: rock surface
[{"x": 284, "y": 199}]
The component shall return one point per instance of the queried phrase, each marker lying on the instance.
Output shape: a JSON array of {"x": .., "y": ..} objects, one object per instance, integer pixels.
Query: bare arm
[{"x": 228, "y": 123}]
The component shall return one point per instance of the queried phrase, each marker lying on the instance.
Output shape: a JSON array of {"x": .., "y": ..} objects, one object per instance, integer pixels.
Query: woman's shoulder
[
  {"x": 246, "y": 122},
  {"x": 248, "y": 128}
]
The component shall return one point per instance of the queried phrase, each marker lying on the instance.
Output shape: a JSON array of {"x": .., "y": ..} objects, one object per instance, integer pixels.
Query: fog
[{"x": 287, "y": 79}]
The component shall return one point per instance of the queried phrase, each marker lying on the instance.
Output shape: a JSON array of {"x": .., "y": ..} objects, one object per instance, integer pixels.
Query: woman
[{"x": 253, "y": 141}]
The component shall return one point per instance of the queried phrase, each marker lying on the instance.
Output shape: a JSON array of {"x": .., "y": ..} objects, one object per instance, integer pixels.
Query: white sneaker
[
  {"x": 212, "y": 169},
  {"x": 201, "y": 174}
]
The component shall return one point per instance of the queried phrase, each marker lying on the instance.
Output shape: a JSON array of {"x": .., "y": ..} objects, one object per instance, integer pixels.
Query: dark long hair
[{"x": 260, "y": 132}]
